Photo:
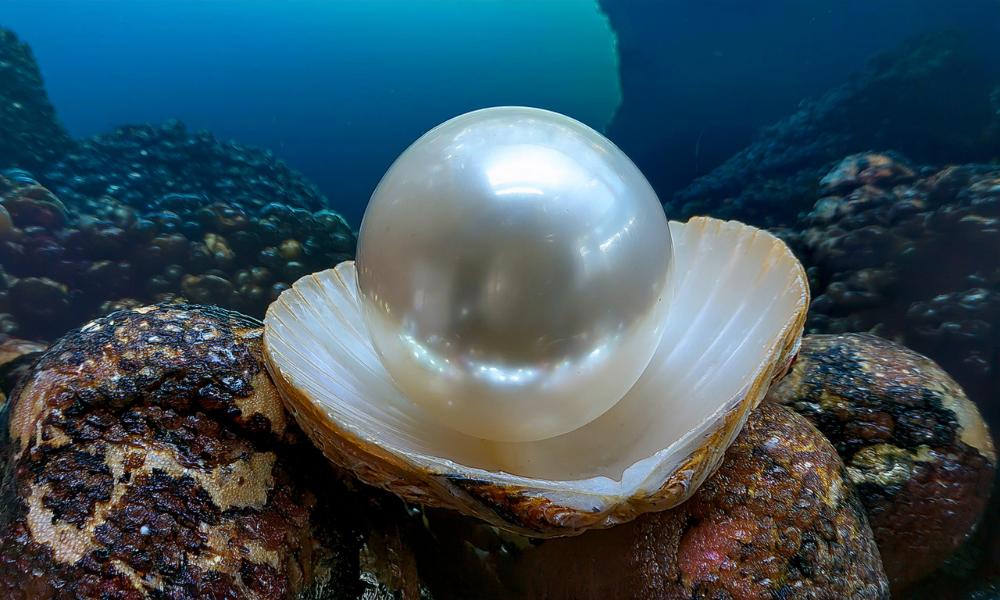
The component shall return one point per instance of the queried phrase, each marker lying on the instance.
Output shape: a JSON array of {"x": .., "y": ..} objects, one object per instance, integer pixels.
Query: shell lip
[{"x": 643, "y": 480}]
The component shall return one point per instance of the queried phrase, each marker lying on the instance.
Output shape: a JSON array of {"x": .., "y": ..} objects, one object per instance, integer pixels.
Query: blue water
[
  {"x": 707, "y": 74},
  {"x": 336, "y": 88}
]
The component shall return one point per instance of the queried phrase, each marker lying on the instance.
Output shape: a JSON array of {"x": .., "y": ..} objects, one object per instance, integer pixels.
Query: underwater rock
[
  {"x": 12, "y": 349},
  {"x": 777, "y": 520},
  {"x": 989, "y": 590},
  {"x": 39, "y": 299},
  {"x": 911, "y": 258},
  {"x": 142, "y": 214},
  {"x": 148, "y": 454},
  {"x": 916, "y": 449},
  {"x": 103, "y": 253},
  {"x": 31, "y": 134},
  {"x": 173, "y": 169},
  {"x": 8, "y": 325},
  {"x": 33, "y": 205},
  {"x": 16, "y": 357},
  {"x": 777, "y": 176},
  {"x": 860, "y": 170}
]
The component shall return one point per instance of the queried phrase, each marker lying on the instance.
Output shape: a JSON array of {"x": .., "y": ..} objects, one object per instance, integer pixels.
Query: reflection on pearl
[{"x": 513, "y": 266}]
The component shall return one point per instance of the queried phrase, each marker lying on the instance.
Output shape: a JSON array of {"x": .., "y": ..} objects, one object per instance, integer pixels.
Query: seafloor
[{"x": 891, "y": 201}]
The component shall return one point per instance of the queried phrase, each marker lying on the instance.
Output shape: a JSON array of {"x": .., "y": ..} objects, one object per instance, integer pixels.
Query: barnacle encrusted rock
[
  {"x": 916, "y": 448},
  {"x": 147, "y": 454},
  {"x": 777, "y": 520}
]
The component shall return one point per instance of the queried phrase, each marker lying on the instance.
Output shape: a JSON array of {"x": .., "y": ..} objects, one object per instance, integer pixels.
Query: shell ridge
[
  {"x": 343, "y": 336},
  {"x": 693, "y": 322}
]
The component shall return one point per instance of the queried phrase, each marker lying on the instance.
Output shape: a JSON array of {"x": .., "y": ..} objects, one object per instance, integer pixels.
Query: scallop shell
[{"x": 738, "y": 308}]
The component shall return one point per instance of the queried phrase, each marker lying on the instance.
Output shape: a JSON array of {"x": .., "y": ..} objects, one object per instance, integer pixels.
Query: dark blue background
[{"x": 339, "y": 87}]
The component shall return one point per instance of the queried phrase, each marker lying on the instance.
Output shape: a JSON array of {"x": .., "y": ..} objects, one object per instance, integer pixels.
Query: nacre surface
[{"x": 513, "y": 266}]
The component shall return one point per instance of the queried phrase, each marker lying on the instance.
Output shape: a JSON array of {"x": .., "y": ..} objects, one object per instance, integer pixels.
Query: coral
[
  {"x": 148, "y": 454},
  {"x": 916, "y": 448},
  {"x": 777, "y": 520},
  {"x": 67, "y": 262},
  {"x": 774, "y": 178},
  {"x": 31, "y": 133}
]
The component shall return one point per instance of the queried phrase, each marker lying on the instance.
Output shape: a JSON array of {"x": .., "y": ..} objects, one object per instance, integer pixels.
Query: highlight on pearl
[{"x": 513, "y": 266}]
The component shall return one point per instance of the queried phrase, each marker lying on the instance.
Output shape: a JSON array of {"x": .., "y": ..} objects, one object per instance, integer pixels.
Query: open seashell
[{"x": 734, "y": 323}]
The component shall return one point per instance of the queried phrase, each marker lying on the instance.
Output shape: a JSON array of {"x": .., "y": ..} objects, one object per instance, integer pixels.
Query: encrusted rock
[
  {"x": 39, "y": 298},
  {"x": 916, "y": 449},
  {"x": 130, "y": 214},
  {"x": 911, "y": 253},
  {"x": 864, "y": 169},
  {"x": 107, "y": 253},
  {"x": 174, "y": 169},
  {"x": 777, "y": 520},
  {"x": 7, "y": 229},
  {"x": 149, "y": 455}
]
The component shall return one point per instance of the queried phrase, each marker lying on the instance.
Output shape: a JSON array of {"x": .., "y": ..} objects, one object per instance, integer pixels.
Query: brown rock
[
  {"x": 13, "y": 348},
  {"x": 35, "y": 205},
  {"x": 866, "y": 169},
  {"x": 777, "y": 520},
  {"x": 148, "y": 454},
  {"x": 290, "y": 249},
  {"x": 916, "y": 448}
]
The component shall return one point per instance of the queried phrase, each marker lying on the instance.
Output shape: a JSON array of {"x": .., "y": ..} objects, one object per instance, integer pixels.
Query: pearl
[{"x": 513, "y": 267}]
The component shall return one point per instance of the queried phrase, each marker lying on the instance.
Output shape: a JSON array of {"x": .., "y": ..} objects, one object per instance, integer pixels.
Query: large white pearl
[{"x": 513, "y": 265}]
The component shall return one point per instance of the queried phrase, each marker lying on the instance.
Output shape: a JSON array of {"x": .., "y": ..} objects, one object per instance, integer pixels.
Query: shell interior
[{"x": 736, "y": 316}]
